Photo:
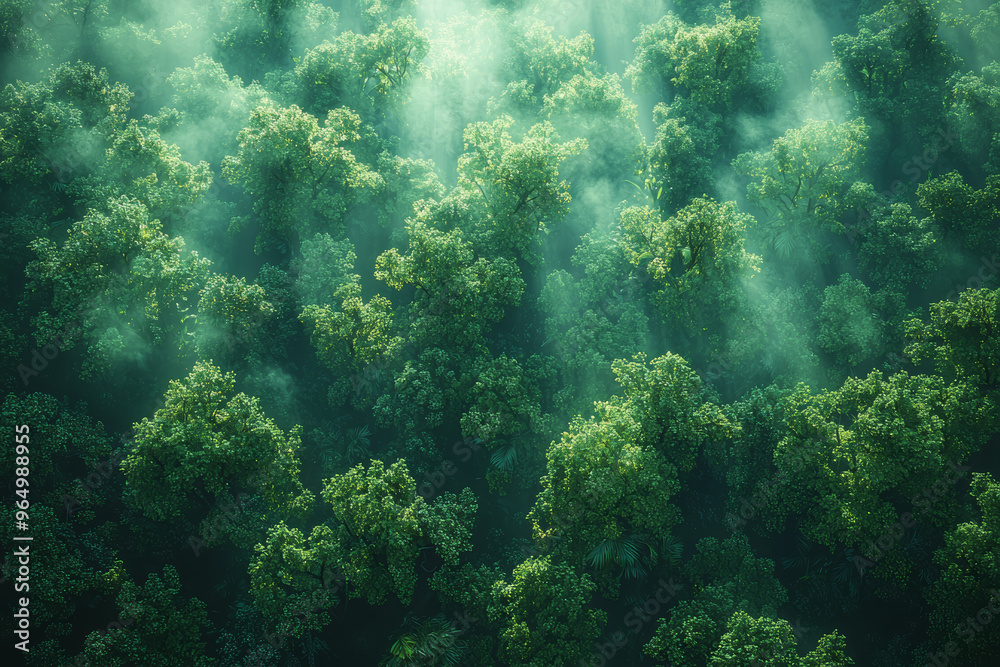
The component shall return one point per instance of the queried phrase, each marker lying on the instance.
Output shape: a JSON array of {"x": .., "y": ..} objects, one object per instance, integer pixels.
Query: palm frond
[{"x": 504, "y": 458}]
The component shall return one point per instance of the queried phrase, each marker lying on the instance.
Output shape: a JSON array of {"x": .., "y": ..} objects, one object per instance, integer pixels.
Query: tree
[
  {"x": 518, "y": 182},
  {"x": 205, "y": 446},
  {"x": 232, "y": 314},
  {"x": 543, "y": 61},
  {"x": 459, "y": 294},
  {"x": 715, "y": 64},
  {"x": 140, "y": 165},
  {"x": 544, "y": 616},
  {"x": 687, "y": 136},
  {"x": 850, "y": 327},
  {"x": 207, "y": 97},
  {"x": 893, "y": 62},
  {"x": 896, "y": 249},
  {"x": 962, "y": 338},
  {"x": 726, "y": 580},
  {"x": 961, "y": 210},
  {"x": 162, "y": 627},
  {"x": 427, "y": 392},
  {"x": 614, "y": 474},
  {"x": 325, "y": 266},
  {"x": 57, "y": 128},
  {"x": 503, "y": 401},
  {"x": 303, "y": 178},
  {"x": 66, "y": 561},
  {"x": 384, "y": 524},
  {"x": 596, "y": 110},
  {"x": 653, "y": 64},
  {"x": 974, "y": 110},
  {"x": 698, "y": 257},
  {"x": 800, "y": 183},
  {"x": 856, "y": 454},
  {"x": 64, "y": 446},
  {"x": 586, "y": 342},
  {"x": 351, "y": 338},
  {"x": 132, "y": 277},
  {"x": 366, "y": 73},
  {"x": 970, "y": 576},
  {"x": 768, "y": 641},
  {"x": 290, "y": 573},
  {"x": 257, "y": 36}
]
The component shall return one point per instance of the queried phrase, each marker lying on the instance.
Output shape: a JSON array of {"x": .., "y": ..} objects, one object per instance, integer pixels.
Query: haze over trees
[{"x": 506, "y": 333}]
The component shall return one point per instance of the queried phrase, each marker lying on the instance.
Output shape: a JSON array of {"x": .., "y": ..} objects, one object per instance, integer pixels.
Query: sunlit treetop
[
  {"x": 518, "y": 181},
  {"x": 545, "y": 60},
  {"x": 800, "y": 182},
  {"x": 713, "y": 63},
  {"x": 365, "y": 73},
  {"x": 205, "y": 446},
  {"x": 60, "y": 125},
  {"x": 303, "y": 177},
  {"x": 120, "y": 277}
]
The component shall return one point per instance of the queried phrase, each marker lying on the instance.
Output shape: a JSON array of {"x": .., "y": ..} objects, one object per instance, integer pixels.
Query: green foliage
[
  {"x": 962, "y": 338},
  {"x": 726, "y": 581},
  {"x": 687, "y": 135},
  {"x": 518, "y": 182},
  {"x": 205, "y": 446},
  {"x": 545, "y": 61},
  {"x": 596, "y": 110},
  {"x": 303, "y": 178},
  {"x": 290, "y": 572},
  {"x": 231, "y": 314},
  {"x": 713, "y": 63},
  {"x": 849, "y": 324},
  {"x": 54, "y": 127},
  {"x": 163, "y": 628},
  {"x": 384, "y": 524},
  {"x": 698, "y": 256},
  {"x": 974, "y": 107},
  {"x": 142, "y": 166},
  {"x": 366, "y": 73},
  {"x": 800, "y": 182},
  {"x": 459, "y": 295},
  {"x": 431, "y": 642},
  {"x": 894, "y": 61},
  {"x": 356, "y": 334},
  {"x": 898, "y": 250},
  {"x": 543, "y": 614},
  {"x": 970, "y": 574},
  {"x": 856, "y": 452},
  {"x": 961, "y": 210},
  {"x": 131, "y": 275}
]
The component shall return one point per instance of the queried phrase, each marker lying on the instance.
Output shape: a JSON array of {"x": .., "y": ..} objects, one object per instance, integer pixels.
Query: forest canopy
[{"x": 501, "y": 333}]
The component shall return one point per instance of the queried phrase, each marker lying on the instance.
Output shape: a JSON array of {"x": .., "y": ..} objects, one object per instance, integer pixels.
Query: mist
[{"x": 502, "y": 332}]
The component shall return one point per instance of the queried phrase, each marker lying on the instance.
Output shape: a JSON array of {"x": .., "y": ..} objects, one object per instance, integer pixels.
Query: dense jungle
[{"x": 513, "y": 333}]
